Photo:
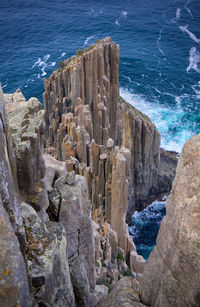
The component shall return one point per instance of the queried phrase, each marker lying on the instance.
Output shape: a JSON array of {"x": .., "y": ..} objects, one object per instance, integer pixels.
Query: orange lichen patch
[
  {"x": 106, "y": 229},
  {"x": 6, "y": 272}
]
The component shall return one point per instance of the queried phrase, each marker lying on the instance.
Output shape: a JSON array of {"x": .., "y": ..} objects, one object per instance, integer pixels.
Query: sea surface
[
  {"x": 145, "y": 227},
  {"x": 159, "y": 52}
]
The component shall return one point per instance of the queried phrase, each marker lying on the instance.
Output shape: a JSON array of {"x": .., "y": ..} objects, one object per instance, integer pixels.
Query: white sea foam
[
  {"x": 43, "y": 71},
  {"x": 124, "y": 14},
  {"x": 178, "y": 13},
  {"x": 4, "y": 85},
  {"x": 62, "y": 55},
  {"x": 157, "y": 90},
  {"x": 95, "y": 13},
  {"x": 53, "y": 64},
  {"x": 43, "y": 64},
  {"x": 173, "y": 84},
  {"x": 164, "y": 118},
  {"x": 187, "y": 8},
  {"x": 196, "y": 88},
  {"x": 88, "y": 39},
  {"x": 194, "y": 60},
  {"x": 158, "y": 43},
  {"x": 117, "y": 22},
  {"x": 192, "y": 35}
]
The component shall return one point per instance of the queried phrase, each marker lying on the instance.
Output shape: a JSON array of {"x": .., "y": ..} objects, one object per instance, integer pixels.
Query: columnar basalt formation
[
  {"x": 47, "y": 247},
  {"x": 108, "y": 162},
  {"x": 171, "y": 277},
  {"x": 70, "y": 205},
  {"x": 27, "y": 128},
  {"x": 140, "y": 136},
  {"x": 13, "y": 278},
  {"x": 86, "y": 119},
  {"x": 89, "y": 82}
]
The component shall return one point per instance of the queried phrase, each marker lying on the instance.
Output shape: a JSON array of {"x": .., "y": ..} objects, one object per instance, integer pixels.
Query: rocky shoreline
[{"x": 72, "y": 176}]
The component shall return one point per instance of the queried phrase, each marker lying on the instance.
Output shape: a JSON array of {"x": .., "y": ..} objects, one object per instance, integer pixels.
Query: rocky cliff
[
  {"x": 14, "y": 282},
  {"x": 102, "y": 159},
  {"x": 26, "y": 119},
  {"x": 86, "y": 119},
  {"x": 171, "y": 277}
]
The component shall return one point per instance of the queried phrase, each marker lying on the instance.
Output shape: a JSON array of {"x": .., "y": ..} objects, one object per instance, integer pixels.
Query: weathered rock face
[
  {"x": 47, "y": 261},
  {"x": 27, "y": 128},
  {"x": 167, "y": 169},
  {"x": 70, "y": 205},
  {"x": 125, "y": 293},
  {"x": 9, "y": 187},
  {"x": 86, "y": 119},
  {"x": 171, "y": 277},
  {"x": 54, "y": 170},
  {"x": 13, "y": 281},
  {"x": 119, "y": 205},
  {"x": 87, "y": 85},
  {"x": 140, "y": 136}
]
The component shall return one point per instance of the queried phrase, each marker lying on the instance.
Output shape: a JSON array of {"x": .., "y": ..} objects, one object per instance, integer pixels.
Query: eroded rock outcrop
[
  {"x": 171, "y": 277},
  {"x": 13, "y": 278},
  {"x": 140, "y": 136},
  {"x": 125, "y": 293},
  {"x": 70, "y": 205},
  {"x": 86, "y": 119},
  {"x": 88, "y": 84},
  {"x": 47, "y": 260},
  {"x": 27, "y": 128}
]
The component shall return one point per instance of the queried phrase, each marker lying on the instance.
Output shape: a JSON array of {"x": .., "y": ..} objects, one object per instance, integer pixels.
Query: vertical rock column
[
  {"x": 13, "y": 276},
  {"x": 119, "y": 205},
  {"x": 90, "y": 79},
  {"x": 26, "y": 119}
]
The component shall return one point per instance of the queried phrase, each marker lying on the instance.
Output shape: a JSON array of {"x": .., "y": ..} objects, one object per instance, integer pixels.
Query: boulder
[
  {"x": 54, "y": 170},
  {"x": 125, "y": 293}
]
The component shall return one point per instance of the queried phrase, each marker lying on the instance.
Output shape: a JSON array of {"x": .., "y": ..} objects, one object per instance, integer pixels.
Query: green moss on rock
[{"x": 136, "y": 111}]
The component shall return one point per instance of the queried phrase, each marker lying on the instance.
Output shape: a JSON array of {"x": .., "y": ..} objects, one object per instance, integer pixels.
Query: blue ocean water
[
  {"x": 159, "y": 52},
  {"x": 145, "y": 227}
]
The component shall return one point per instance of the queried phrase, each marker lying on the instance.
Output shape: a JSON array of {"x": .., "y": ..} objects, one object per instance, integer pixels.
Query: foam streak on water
[{"x": 191, "y": 35}]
